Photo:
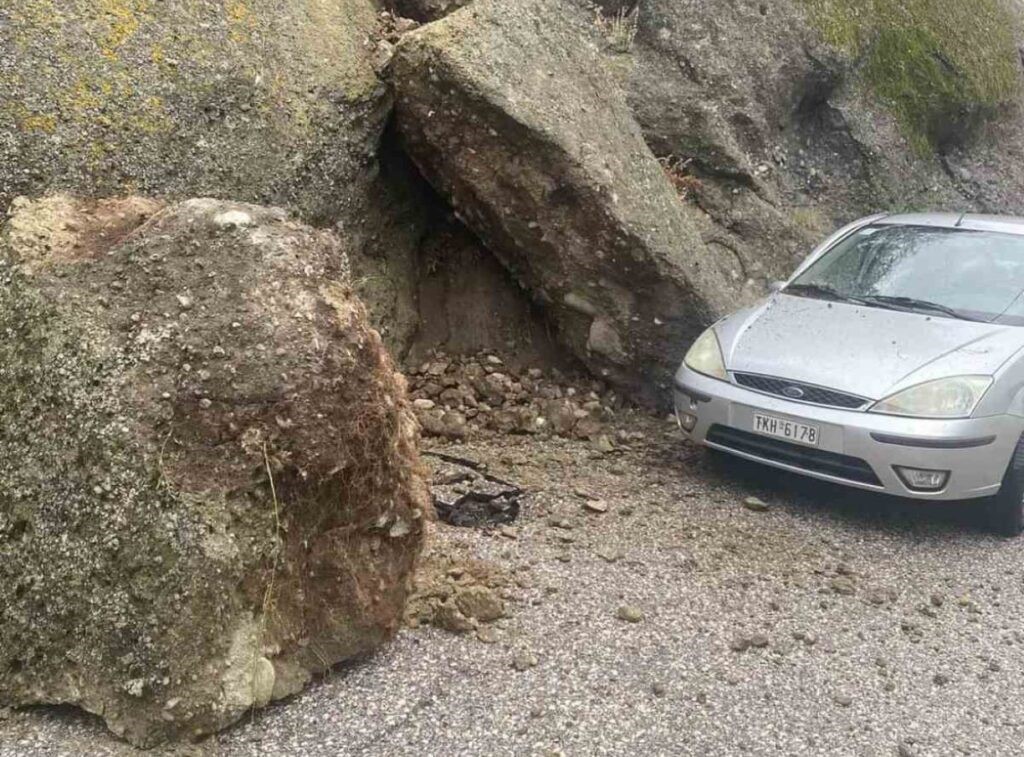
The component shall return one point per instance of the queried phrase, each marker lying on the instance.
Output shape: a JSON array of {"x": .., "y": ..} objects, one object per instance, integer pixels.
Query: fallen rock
[
  {"x": 843, "y": 585},
  {"x": 488, "y": 635},
  {"x": 743, "y": 642},
  {"x": 203, "y": 507},
  {"x": 596, "y": 506},
  {"x": 755, "y": 504},
  {"x": 739, "y": 643},
  {"x": 228, "y": 99},
  {"x": 524, "y": 659},
  {"x": 479, "y": 602},
  {"x": 457, "y": 396},
  {"x": 455, "y": 594},
  {"x": 630, "y": 614},
  {"x": 546, "y": 164}
]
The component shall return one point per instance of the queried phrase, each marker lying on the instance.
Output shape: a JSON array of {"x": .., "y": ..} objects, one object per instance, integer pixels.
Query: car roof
[{"x": 971, "y": 221}]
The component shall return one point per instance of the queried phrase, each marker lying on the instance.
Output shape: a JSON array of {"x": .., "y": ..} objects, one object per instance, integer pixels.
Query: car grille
[
  {"x": 805, "y": 458},
  {"x": 815, "y": 395}
]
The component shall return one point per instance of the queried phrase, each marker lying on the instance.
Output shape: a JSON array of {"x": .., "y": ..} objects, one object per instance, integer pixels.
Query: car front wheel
[{"x": 1006, "y": 509}]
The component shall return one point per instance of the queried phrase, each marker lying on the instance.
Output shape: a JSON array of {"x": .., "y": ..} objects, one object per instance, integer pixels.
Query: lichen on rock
[
  {"x": 247, "y": 99},
  {"x": 205, "y": 456}
]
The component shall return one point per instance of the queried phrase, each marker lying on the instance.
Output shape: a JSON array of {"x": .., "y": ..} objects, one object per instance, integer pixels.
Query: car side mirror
[{"x": 776, "y": 286}]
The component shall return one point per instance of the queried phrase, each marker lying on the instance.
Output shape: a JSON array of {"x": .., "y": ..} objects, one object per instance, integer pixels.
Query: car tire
[{"x": 1006, "y": 509}]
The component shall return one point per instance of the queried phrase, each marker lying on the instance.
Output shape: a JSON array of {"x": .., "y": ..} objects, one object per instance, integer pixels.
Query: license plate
[{"x": 801, "y": 433}]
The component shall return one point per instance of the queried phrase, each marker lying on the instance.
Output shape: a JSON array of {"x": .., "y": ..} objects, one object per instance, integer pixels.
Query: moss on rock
[{"x": 938, "y": 64}]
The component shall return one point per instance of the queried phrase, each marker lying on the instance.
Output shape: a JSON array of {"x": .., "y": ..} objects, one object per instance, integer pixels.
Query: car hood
[{"x": 862, "y": 350}]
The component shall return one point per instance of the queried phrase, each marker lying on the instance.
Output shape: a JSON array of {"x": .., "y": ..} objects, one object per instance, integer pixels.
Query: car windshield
[{"x": 955, "y": 273}]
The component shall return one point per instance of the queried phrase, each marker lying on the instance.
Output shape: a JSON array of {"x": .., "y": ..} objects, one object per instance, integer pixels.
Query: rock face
[
  {"x": 545, "y": 163},
  {"x": 209, "y": 488},
  {"x": 798, "y": 115}
]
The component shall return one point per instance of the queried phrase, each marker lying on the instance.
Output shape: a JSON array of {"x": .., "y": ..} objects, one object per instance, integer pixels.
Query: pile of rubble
[
  {"x": 459, "y": 595},
  {"x": 455, "y": 397}
]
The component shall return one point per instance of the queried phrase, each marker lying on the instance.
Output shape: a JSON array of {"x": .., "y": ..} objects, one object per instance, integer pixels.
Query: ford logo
[{"x": 793, "y": 392}]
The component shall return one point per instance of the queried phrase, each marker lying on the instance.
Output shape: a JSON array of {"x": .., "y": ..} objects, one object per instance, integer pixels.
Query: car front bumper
[{"x": 855, "y": 448}]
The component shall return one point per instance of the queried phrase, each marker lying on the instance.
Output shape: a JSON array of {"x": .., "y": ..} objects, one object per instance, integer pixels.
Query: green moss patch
[{"x": 938, "y": 64}]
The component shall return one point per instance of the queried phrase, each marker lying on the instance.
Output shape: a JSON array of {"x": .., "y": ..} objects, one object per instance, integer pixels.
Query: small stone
[
  {"x": 184, "y": 302},
  {"x": 843, "y": 700},
  {"x": 630, "y": 614},
  {"x": 759, "y": 641},
  {"x": 422, "y": 403},
  {"x": 448, "y": 616},
  {"x": 509, "y": 532},
  {"x": 479, "y": 602},
  {"x": 876, "y": 596},
  {"x": 487, "y": 635},
  {"x": 755, "y": 504},
  {"x": 843, "y": 585},
  {"x": 596, "y": 506},
  {"x": 524, "y": 659},
  {"x": 937, "y": 600},
  {"x": 659, "y": 689},
  {"x": 739, "y": 644},
  {"x": 602, "y": 444},
  {"x": 940, "y": 679},
  {"x": 609, "y": 554}
]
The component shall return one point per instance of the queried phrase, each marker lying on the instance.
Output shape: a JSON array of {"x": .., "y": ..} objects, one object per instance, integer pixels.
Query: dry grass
[
  {"x": 268, "y": 594},
  {"x": 677, "y": 171},
  {"x": 619, "y": 29}
]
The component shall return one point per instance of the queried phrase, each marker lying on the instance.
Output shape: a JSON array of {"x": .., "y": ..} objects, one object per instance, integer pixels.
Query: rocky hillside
[{"x": 540, "y": 126}]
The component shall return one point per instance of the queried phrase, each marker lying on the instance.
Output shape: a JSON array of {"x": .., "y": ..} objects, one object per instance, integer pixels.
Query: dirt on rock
[{"x": 209, "y": 478}]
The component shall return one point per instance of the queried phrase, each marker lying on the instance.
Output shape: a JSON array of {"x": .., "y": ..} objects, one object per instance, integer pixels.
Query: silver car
[{"x": 892, "y": 361}]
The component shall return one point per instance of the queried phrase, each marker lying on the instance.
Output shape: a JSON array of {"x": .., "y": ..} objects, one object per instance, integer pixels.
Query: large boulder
[
  {"x": 509, "y": 112},
  {"x": 209, "y": 487},
  {"x": 253, "y": 101},
  {"x": 248, "y": 100}
]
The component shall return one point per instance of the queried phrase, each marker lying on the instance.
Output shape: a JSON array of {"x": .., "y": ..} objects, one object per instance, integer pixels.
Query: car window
[{"x": 980, "y": 274}]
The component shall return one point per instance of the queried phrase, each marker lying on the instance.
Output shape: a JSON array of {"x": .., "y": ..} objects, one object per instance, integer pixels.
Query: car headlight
[
  {"x": 954, "y": 397},
  {"x": 705, "y": 356}
]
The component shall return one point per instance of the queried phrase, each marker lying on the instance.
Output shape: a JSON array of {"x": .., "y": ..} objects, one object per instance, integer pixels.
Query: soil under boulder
[
  {"x": 509, "y": 112},
  {"x": 209, "y": 481}
]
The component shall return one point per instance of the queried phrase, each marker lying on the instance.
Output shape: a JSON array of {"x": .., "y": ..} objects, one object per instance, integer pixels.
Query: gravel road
[{"x": 828, "y": 623}]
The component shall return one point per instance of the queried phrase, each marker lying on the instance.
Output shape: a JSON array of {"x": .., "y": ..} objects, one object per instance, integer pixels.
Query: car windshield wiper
[
  {"x": 914, "y": 304},
  {"x": 824, "y": 291}
]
